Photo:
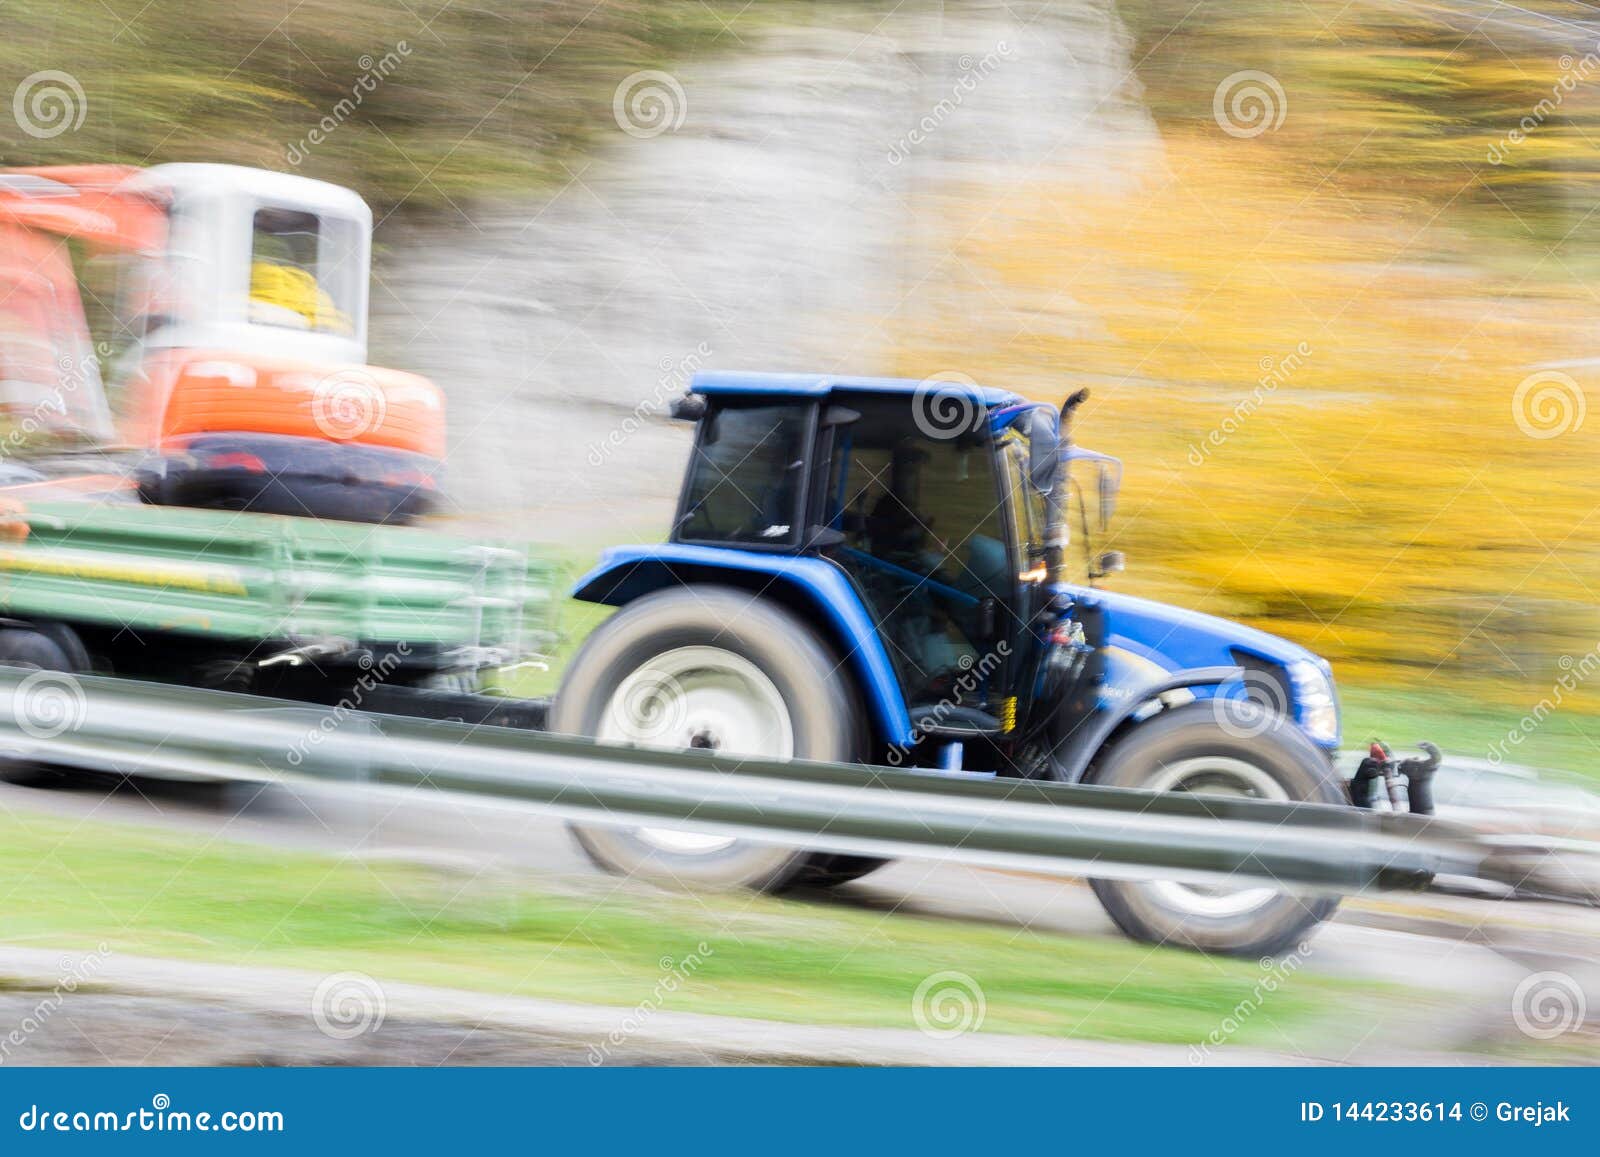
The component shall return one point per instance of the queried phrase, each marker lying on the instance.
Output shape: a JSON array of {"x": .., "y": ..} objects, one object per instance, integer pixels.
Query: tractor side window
[
  {"x": 303, "y": 271},
  {"x": 924, "y": 532},
  {"x": 745, "y": 476}
]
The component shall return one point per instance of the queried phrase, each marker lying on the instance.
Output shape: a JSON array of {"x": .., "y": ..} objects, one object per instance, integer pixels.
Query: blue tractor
[{"x": 883, "y": 571}]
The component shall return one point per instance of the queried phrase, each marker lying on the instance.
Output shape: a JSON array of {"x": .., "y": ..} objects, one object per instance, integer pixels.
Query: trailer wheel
[
  {"x": 714, "y": 668},
  {"x": 21, "y": 647},
  {"x": 1191, "y": 749}
]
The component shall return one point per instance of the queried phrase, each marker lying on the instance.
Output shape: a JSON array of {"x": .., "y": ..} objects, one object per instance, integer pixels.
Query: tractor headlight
[{"x": 1316, "y": 705}]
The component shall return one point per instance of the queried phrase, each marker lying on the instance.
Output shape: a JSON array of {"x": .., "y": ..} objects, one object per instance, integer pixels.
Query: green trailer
[{"x": 292, "y": 606}]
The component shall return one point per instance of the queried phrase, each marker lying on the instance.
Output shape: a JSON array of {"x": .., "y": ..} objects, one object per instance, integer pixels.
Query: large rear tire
[
  {"x": 714, "y": 668},
  {"x": 1217, "y": 747}
]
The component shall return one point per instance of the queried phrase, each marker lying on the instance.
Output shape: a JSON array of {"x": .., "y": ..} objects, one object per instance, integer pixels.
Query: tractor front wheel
[
  {"x": 1217, "y": 747},
  {"x": 717, "y": 669}
]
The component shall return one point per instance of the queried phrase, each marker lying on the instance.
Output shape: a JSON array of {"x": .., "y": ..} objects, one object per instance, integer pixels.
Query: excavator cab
[{"x": 238, "y": 351}]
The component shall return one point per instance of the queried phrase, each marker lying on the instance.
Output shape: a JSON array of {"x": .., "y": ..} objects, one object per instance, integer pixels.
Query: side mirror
[
  {"x": 1110, "y": 483},
  {"x": 688, "y": 408},
  {"x": 1044, "y": 450},
  {"x": 1111, "y": 562}
]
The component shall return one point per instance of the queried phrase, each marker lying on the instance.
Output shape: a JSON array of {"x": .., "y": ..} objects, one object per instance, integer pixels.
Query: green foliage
[
  {"x": 1407, "y": 100},
  {"x": 482, "y": 97}
]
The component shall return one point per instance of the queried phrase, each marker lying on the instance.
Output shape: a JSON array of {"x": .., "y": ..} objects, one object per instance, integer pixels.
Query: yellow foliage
[{"x": 1317, "y": 396}]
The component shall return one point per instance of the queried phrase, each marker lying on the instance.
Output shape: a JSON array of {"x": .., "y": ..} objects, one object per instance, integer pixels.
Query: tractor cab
[
  {"x": 931, "y": 500},
  {"x": 935, "y": 525},
  {"x": 237, "y": 338}
]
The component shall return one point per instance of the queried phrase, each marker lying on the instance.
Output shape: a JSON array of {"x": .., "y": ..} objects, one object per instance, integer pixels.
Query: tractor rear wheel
[
  {"x": 718, "y": 669},
  {"x": 1217, "y": 747}
]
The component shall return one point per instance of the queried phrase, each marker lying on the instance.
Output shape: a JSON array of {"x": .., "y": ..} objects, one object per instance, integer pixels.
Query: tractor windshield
[{"x": 1029, "y": 510}]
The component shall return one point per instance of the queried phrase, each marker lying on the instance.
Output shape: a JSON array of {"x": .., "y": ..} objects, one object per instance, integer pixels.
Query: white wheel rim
[
  {"x": 1214, "y": 775},
  {"x": 698, "y": 697}
]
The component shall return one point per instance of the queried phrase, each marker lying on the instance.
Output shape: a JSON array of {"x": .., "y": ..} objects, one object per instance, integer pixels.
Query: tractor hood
[
  {"x": 1147, "y": 640},
  {"x": 1175, "y": 638}
]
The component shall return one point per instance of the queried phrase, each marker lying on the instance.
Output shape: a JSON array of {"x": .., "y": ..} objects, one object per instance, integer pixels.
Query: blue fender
[{"x": 626, "y": 573}]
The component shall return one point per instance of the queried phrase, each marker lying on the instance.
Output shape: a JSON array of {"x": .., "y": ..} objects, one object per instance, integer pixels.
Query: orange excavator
[{"x": 238, "y": 349}]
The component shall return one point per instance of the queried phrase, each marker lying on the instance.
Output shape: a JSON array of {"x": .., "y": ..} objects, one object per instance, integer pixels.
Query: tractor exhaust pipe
[{"x": 1058, "y": 533}]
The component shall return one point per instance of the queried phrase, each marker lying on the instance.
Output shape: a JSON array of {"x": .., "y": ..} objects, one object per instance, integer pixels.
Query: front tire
[
  {"x": 719, "y": 669},
  {"x": 1217, "y": 747}
]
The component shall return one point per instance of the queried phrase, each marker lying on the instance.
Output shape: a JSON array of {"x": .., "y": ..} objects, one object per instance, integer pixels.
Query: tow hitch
[{"x": 1406, "y": 781}]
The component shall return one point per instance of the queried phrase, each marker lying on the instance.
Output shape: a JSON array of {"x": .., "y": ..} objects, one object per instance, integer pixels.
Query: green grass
[
  {"x": 1566, "y": 743},
  {"x": 71, "y": 885}
]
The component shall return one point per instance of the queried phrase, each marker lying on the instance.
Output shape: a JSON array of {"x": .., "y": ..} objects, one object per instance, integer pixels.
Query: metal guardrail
[{"x": 125, "y": 727}]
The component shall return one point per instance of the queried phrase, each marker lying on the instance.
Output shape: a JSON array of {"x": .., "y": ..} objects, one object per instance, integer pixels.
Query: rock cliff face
[{"x": 789, "y": 222}]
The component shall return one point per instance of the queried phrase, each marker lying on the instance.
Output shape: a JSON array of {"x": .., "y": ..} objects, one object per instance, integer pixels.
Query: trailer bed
[{"x": 231, "y": 575}]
